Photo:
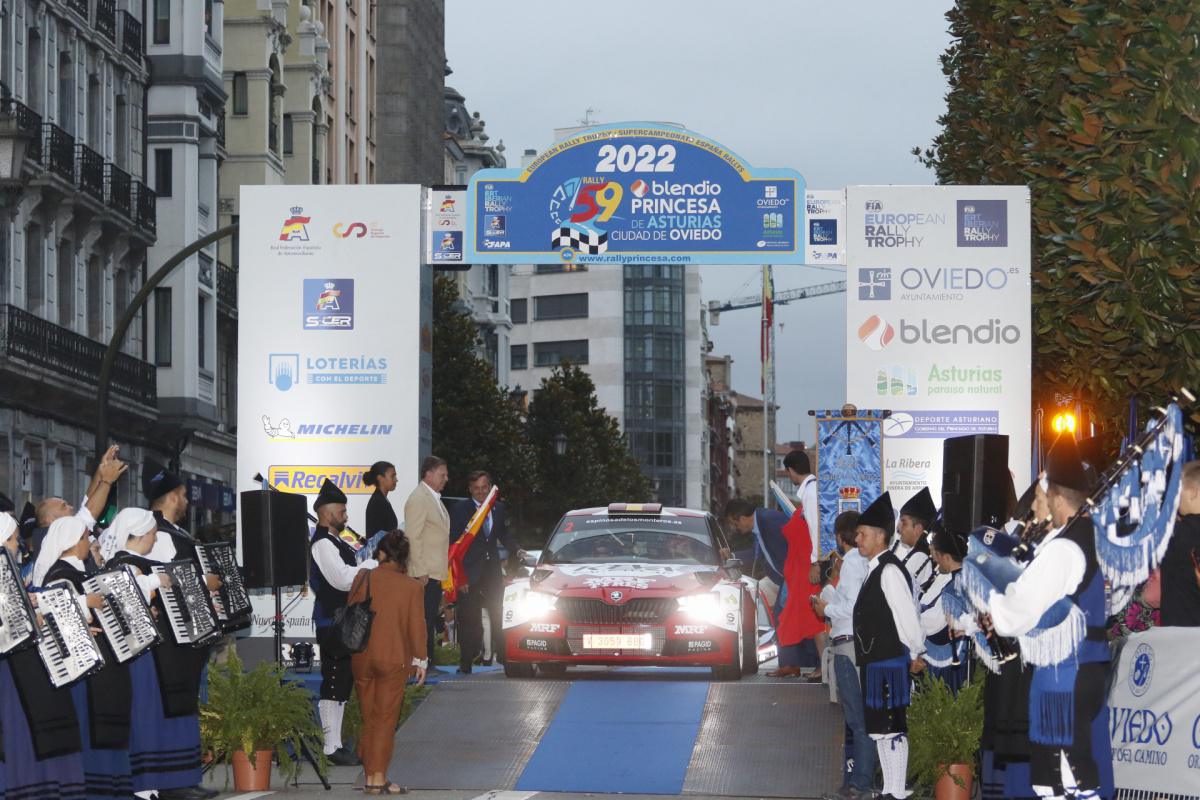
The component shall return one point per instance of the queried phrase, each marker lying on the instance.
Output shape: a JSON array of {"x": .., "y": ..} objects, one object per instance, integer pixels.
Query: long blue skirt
[
  {"x": 164, "y": 752},
  {"x": 106, "y": 773},
  {"x": 25, "y": 777}
]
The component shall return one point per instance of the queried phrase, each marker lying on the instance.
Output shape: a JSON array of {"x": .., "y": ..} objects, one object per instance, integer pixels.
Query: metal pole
[{"x": 122, "y": 327}]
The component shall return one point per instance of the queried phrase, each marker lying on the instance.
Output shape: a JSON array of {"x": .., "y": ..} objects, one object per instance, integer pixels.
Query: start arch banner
[{"x": 636, "y": 193}]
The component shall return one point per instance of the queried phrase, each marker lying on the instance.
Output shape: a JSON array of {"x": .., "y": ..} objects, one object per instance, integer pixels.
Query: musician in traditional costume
[
  {"x": 911, "y": 546},
  {"x": 947, "y": 656},
  {"x": 103, "y": 700},
  {"x": 1071, "y": 752},
  {"x": 41, "y": 737},
  {"x": 164, "y": 742},
  {"x": 888, "y": 643},
  {"x": 332, "y": 569}
]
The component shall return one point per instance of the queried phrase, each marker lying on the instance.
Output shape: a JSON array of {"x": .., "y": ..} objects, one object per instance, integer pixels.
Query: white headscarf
[
  {"x": 8, "y": 526},
  {"x": 64, "y": 532},
  {"x": 128, "y": 522}
]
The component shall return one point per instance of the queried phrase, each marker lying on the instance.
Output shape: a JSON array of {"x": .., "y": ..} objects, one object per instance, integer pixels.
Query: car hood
[{"x": 598, "y": 580}]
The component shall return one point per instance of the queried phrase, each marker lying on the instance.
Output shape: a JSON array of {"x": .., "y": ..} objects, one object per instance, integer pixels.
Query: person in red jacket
[{"x": 798, "y": 621}]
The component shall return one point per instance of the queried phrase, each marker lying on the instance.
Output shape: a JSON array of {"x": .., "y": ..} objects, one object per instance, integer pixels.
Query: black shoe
[
  {"x": 344, "y": 758},
  {"x": 187, "y": 793},
  {"x": 464, "y": 670}
]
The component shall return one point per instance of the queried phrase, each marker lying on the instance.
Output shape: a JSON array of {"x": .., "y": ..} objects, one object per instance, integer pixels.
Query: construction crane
[{"x": 715, "y": 307}]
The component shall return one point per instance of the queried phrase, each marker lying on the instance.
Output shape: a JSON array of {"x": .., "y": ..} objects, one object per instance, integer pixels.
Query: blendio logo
[{"x": 990, "y": 332}]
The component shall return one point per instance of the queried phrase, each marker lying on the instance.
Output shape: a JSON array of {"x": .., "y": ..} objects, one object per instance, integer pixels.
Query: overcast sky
[{"x": 841, "y": 92}]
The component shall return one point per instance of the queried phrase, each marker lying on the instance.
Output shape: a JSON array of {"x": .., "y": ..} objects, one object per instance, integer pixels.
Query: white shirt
[
  {"x": 807, "y": 495},
  {"x": 1055, "y": 572},
  {"x": 840, "y": 599},
  {"x": 437, "y": 496},
  {"x": 933, "y": 619},
  {"x": 903, "y": 607},
  {"x": 85, "y": 516},
  {"x": 919, "y": 566},
  {"x": 334, "y": 571}
]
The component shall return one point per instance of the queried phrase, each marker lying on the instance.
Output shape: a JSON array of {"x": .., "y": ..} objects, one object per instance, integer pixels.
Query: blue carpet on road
[{"x": 619, "y": 736}]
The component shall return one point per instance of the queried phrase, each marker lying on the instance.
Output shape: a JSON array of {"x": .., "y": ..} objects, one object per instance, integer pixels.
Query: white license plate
[{"x": 617, "y": 641}]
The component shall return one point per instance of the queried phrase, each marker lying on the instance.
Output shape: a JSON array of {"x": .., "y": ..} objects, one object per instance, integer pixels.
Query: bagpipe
[
  {"x": 1133, "y": 510},
  {"x": 456, "y": 574}
]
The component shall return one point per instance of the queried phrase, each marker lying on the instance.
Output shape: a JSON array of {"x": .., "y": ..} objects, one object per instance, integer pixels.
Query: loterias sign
[{"x": 636, "y": 193}]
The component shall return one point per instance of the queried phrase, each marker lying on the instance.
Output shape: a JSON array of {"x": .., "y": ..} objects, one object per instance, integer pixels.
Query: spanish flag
[{"x": 456, "y": 575}]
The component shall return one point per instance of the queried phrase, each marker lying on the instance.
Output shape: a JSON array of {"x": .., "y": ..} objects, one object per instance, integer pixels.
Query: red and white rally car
[{"x": 633, "y": 584}]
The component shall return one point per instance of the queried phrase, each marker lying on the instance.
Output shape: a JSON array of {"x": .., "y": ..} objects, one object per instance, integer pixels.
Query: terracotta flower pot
[
  {"x": 948, "y": 789},
  {"x": 249, "y": 777}
]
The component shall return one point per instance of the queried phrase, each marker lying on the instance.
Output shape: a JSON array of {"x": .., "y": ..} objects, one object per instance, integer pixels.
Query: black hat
[
  {"x": 880, "y": 515},
  {"x": 1064, "y": 467},
  {"x": 157, "y": 480},
  {"x": 329, "y": 493},
  {"x": 6, "y": 504},
  {"x": 920, "y": 507}
]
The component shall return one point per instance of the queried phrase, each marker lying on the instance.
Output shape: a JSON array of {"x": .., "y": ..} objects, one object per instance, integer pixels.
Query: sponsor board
[
  {"x": 940, "y": 424},
  {"x": 282, "y": 429},
  {"x": 825, "y": 212},
  {"x": 308, "y": 478},
  {"x": 328, "y": 304},
  {"x": 445, "y": 226},
  {"x": 286, "y": 370}
]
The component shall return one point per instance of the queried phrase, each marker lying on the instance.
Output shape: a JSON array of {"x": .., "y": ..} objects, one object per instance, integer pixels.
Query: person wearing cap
[
  {"x": 92, "y": 508},
  {"x": 40, "y": 730},
  {"x": 102, "y": 701},
  {"x": 332, "y": 569},
  {"x": 888, "y": 643},
  {"x": 912, "y": 545},
  {"x": 1070, "y": 750},
  {"x": 164, "y": 745}
]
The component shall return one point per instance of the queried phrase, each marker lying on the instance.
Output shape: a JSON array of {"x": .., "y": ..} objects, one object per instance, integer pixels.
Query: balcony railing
[
  {"x": 79, "y": 6},
  {"x": 144, "y": 206},
  {"x": 118, "y": 189},
  {"x": 89, "y": 171},
  {"x": 58, "y": 147},
  {"x": 226, "y": 286},
  {"x": 28, "y": 121},
  {"x": 36, "y": 341},
  {"x": 131, "y": 36},
  {"x": 106, "y": 19}
]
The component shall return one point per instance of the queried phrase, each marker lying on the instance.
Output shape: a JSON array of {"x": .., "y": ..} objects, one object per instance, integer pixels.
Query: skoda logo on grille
[{"x": 616, "y": 596}]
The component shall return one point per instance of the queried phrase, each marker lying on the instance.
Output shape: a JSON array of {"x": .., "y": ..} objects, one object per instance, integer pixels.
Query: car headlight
[
  {"x": 705, "y": 607},
  {"x": 536, "y": 604}
]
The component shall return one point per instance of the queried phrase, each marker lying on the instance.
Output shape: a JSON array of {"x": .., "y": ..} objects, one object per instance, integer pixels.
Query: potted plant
[
  {"x": 943, "y": 734},
  {"x": 253, "y": 717}
]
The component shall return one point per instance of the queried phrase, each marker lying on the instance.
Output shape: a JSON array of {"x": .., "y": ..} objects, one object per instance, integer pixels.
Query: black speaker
[
  {"x": 274, "y": 539},
  {"x": 975, "y": 482}
]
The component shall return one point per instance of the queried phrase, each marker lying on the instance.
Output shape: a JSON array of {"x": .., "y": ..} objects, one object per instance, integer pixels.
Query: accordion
[
  {"x": 66, "y": 645},
  {"x": 186, "y": 601},
  {"x": 231, "y": 602},
  {"x": 18, "y": 626},
  {"x": 125, "y": 616}
]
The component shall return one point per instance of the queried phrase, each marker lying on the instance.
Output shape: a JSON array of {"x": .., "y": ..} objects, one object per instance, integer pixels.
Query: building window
[
  {"x": 66, "y": 285},
  {"x": 520, "y": 311},
  {"x": 235, "y": 241},
  {"x": 35, "y": 271},
  {"x": 287, "y": 134},
  {"x": 518, "y": 356},
  {"x": 554, "y": 269},
  {"x": 162, "y": 172},
  {"x": 560, "y": 306},
  {"x": 208, "y": 14},
  {"x": 162, "y": 327},
  {"x": 241, "y": 89},
  {"x": 493, "y": 280},
  {"x": 95, "y": 297},
  {"x": 162, "y": 21},
  {"x": 551, "y": 354},
  {"x": 202, "y": 332}
]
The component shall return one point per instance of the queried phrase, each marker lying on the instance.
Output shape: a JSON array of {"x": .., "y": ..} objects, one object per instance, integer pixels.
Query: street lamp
[
  {"x": 560, "y": 444},
  {"x": 14, "y": 141}
]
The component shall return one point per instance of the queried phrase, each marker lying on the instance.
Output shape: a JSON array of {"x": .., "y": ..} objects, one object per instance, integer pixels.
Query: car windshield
[{"x": 649, "y": 540}]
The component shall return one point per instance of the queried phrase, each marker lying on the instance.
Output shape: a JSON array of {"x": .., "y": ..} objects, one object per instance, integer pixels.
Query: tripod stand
[{"x": 278, "y": 627}]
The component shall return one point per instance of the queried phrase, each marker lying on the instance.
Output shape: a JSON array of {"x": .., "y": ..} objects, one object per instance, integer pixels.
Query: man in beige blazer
[{"x": 427, "y": 526}]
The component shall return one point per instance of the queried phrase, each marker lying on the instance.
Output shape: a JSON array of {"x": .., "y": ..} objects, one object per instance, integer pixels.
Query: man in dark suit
[{"x": 485, "y": 583}]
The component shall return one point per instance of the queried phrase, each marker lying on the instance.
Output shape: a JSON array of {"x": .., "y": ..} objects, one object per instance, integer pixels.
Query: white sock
[
  {"x": 1046, "y": 791},
  {"x": 147, "y": 795},
  {"x": 331, "y": 712},
  {"x": 893, "y": 760},
  {"x": 487, "y": 636}
]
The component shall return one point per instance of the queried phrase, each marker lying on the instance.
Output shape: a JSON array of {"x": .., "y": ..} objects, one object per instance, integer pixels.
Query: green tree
[
  {"x": 476, "y": 423},
  {"x": 1094, "y": 106},
  {"x": 597, "y": 467}
]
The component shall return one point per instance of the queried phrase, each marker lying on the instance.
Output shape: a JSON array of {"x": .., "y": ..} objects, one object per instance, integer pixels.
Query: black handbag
[{"x": 352, "y": 624}]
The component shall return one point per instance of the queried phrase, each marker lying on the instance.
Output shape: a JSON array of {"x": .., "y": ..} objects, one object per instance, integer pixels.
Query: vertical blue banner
[{"x": 849, "y": 466}]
